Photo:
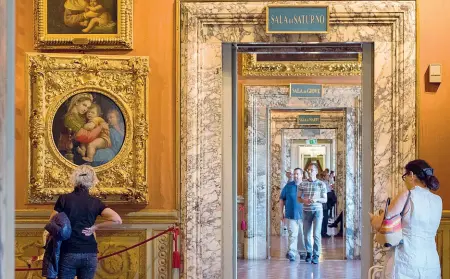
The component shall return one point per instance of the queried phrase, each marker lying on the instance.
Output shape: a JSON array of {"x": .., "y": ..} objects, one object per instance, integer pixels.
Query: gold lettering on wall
[
  {"x": 298, "y": 19},
  {"x": 307, "y": 91}
]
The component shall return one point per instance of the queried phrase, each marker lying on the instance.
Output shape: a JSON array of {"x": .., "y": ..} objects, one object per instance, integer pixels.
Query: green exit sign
[{"x": 311, "y": 141}]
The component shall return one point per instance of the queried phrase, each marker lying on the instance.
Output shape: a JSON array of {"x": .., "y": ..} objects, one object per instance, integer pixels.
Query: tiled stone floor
[
  {"x": 331, "y": 263},
  {"x": 332, "y": 248},
  {"x": 283, "y": 269}
]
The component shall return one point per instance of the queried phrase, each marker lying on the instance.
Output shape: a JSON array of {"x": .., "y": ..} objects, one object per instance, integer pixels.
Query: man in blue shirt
[{"x": 291, "y": 212}]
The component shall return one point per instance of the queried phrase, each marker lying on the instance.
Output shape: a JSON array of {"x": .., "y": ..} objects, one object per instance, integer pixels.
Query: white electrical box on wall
[{"x": 435, "y": 73}]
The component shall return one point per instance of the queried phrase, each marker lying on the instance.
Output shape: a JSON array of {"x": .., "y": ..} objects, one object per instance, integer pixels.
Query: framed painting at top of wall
[{"x": 83, "y": 24}]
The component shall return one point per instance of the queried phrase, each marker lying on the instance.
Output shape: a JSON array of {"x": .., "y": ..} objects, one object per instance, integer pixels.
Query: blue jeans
[
  {"x": 310, "y": 219},
  {"x": 82, "y": 265}
]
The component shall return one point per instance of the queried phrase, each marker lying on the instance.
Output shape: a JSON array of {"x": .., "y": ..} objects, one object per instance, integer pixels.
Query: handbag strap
[
  {"x": 407, "y": 200},
  {"x": 388, "y": 201}
]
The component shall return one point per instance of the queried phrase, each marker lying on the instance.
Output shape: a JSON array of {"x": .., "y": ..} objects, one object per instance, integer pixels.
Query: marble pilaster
[
  {"x": 2, "y": 134},
  {"x": 7, "y": 81}
]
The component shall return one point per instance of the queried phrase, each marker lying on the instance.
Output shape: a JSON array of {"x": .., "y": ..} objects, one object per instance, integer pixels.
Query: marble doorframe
[
  {"x": 7, "y": 137},
  {"x": 205, "y": 26}
]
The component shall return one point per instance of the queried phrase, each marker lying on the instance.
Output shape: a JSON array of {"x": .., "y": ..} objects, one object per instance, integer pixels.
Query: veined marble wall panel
[
  {"x": 151, "y": 260},
  {"x": 257, "y": 100},
  {"x": 205, "y": 25},
  {"x": 353, "y": 172}
]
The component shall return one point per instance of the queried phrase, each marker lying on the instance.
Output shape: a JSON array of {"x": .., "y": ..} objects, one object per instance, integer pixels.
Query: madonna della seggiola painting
[
  {"x": 88, "y": 109},
  {"x": 89, "y": 128}
]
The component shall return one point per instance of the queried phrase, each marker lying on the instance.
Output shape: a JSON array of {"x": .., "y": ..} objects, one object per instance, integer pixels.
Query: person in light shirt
[{"x": 312, "y": 193}]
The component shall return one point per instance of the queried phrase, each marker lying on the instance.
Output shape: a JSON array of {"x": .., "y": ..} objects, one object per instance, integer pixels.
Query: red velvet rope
[{"x": 171, "y": 229}]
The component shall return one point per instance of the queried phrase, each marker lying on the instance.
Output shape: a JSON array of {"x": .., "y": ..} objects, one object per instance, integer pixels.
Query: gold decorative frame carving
[
  {"x": 252, "y": 67},
  {"x": 130, "y": 264},
  {"x": 162, "y": 260},
  {"x": 52, "y": 79},
  {"x": 123, "y": 39}
]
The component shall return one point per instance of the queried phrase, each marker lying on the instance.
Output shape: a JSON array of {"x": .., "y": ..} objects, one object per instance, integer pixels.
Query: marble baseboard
[{"x": 255, "y": 248}]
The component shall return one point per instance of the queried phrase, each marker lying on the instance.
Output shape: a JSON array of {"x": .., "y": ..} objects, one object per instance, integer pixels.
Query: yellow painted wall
[
  {"x": 154, "y": 36},
  {"x": 434, "y": 101}
]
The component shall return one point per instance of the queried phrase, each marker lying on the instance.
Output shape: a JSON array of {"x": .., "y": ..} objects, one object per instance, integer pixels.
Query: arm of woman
[
  {"x": 96, "y": 8},
  {"x": 398, "y": 204},
  {"x": 85, "y": 136},
  {"x": 54, "y": 212},
  {"x": 112, "y": 218},
  {"x": 376, "y": 220},
  {"x": 394, "y": 208},
  {"x": 81, "y": 135}
]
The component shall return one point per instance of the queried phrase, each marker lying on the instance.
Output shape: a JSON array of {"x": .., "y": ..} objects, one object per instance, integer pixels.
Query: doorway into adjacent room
[{"x": 274, "y": 137}]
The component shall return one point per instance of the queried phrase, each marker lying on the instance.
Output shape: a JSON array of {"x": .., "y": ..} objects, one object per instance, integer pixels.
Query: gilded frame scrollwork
[
  {"x": 53, "y": 79},
  {"x": 123, "y": 39},
  {"x": 252, "y": 67}
]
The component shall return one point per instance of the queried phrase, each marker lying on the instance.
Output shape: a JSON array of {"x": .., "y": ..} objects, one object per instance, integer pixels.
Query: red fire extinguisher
[{"x": 243, "y": 223}]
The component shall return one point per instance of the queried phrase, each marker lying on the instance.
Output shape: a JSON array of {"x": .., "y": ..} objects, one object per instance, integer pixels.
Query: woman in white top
[{"x": 417, "y": 257}]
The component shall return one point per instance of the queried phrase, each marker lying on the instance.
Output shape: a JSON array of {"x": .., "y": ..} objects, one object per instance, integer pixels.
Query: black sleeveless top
[{"x": 82, "y": 210}]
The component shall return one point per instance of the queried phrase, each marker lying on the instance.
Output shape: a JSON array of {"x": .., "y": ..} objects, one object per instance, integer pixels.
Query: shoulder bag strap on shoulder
[
  {"x": 404, "y": 207},
  {"x": 388, "y": 201}
]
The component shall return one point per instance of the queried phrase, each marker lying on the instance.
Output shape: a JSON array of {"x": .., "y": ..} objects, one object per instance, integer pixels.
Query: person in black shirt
[{"x": 79, "y": 253}]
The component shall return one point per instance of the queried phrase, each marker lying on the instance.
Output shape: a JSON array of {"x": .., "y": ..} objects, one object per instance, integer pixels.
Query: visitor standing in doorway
[
  {"x": 324, "y": 177},
  {"x": 312, "y": 193},
  {"x": 291, "y": 213}
]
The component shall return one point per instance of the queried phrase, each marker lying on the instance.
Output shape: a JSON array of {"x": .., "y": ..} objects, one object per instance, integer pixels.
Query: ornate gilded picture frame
[
  {"x": 92, "y": 110},
  {"x": 252, "y": 67},
  {"x": 83, "y": 24}
]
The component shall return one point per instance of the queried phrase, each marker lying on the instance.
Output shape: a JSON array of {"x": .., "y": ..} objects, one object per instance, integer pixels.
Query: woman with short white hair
[{"x": 78, "y": 254}]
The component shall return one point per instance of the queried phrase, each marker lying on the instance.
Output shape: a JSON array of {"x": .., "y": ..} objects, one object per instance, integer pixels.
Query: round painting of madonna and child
[{"x": 89, "y": 128}]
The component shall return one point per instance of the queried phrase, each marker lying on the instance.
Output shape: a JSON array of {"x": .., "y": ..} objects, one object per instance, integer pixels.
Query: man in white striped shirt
[{"x": 312, "y": 193}]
